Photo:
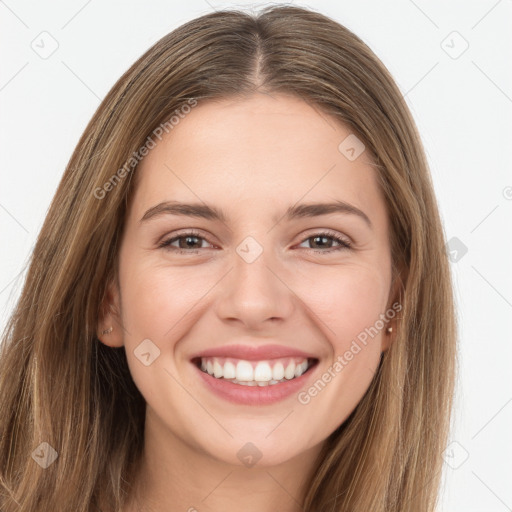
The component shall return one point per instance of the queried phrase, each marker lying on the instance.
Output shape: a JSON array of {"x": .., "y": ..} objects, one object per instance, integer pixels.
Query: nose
[{"x": 255, "y": 293}]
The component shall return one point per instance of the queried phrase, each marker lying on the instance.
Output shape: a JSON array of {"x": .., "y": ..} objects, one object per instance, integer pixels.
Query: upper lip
[{"x": 254, "y": 353}]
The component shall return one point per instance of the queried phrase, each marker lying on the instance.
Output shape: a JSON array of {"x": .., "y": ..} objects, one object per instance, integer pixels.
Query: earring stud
[
  {"x": 389, "y": 330},
  {"x": 108, "y": 331}
]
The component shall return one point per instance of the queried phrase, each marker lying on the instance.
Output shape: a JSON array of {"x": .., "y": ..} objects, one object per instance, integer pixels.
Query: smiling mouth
[{"x": 255, "y": 373}]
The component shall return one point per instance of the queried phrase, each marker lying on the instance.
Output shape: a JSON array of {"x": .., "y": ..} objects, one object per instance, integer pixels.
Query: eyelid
[
  {"x": 164, "y": 240},
  {"x": 328, "y": 232}
]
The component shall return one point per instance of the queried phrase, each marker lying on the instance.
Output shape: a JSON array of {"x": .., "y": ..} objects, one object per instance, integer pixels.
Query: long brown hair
[{"x": 59, "y": 385}]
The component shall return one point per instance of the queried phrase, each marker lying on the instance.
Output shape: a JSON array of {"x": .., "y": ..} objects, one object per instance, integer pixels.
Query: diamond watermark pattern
[
  {"x": 146, "y": 352},
  {"x": 249, "y": 455},
  {"x": 351, "y": 147},
  {"x": 249, "y": 249},
  {"x": 456, "y": 249},
  {"x": 44, "y": 455},
  {"x": 45, "y": 45},
  {"x": 455, "y": 455},
  {"x": 454, "y": 45}
]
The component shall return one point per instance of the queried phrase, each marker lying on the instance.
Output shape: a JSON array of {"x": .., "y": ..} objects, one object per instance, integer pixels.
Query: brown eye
[
  {"x": 187, "y": 243},
  {"x": 325, "y": 241}
]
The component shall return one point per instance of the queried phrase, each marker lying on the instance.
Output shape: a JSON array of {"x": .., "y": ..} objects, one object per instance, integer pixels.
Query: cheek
[
  {"x": 158, "y": 304},
  {"x": 157, "y": 299},
  {"x": 349, "y": 305},
  {"x": 348, "y": 300}
]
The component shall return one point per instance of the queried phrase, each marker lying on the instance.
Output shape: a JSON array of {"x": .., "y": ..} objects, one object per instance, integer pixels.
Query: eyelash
[{"x": 344, "y": 244}]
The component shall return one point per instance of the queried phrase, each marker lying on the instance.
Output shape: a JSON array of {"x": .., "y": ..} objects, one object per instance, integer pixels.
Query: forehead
[{"x": 256, "y": 153}]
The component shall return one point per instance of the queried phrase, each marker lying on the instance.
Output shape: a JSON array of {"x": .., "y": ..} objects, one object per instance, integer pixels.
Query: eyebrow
[{"x": 204, "y": 211}]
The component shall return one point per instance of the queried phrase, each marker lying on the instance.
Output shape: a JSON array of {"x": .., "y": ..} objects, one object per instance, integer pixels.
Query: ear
[
  {"x": 389, "y": 337},
  {"x": 395, "y": 295},
  {"x": 109, "y": 329}
]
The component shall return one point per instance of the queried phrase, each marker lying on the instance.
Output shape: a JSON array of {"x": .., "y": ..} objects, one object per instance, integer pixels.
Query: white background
[{"x": 463, "y": 108}]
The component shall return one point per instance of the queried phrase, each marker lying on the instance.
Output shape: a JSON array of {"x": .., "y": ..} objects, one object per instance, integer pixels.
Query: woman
[{"x": 184, "y": 340}]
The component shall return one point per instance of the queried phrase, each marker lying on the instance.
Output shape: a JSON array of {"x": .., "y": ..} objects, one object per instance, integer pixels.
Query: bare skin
[{"x": 251, "y": 158}]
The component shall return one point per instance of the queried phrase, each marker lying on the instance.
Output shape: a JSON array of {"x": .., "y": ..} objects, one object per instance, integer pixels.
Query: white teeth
[
  {"x": 301, "y": 368},
  {"x": 278, "y": 371},
  {"x": 255, "y": 383},
  {"x": 262, "y": 374},
  {"x": 252, "y": 383},
  {"x": 289, "y": 373},
  {"x": 217, "y": 369},
  {"x": 244, "y": 371},
  {"x": 229, "y": 370}
]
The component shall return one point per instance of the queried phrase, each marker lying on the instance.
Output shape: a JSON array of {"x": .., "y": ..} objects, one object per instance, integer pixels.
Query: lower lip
[{"x": 255, "y": 395}]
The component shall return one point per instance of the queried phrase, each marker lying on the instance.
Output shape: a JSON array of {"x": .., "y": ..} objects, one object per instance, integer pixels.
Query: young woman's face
[{"x": 194, "y": 284}]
